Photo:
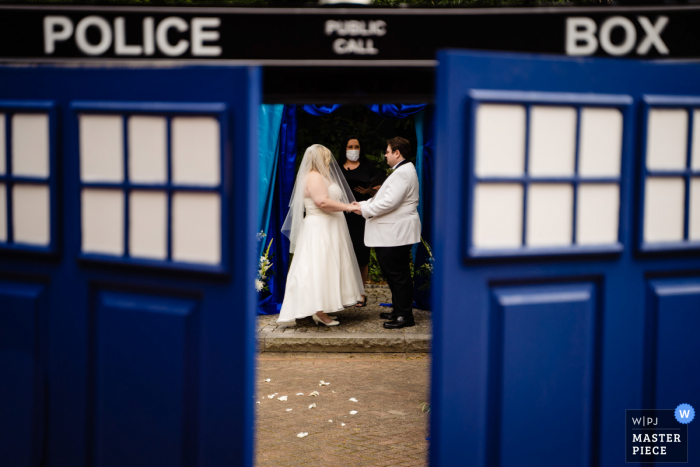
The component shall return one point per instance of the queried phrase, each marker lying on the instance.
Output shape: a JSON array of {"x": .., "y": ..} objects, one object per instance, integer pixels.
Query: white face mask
[{"x": 353, "y": 155}]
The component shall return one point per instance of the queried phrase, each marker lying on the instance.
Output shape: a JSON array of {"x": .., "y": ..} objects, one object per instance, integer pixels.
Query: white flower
[{"x": 259, "y": 285}]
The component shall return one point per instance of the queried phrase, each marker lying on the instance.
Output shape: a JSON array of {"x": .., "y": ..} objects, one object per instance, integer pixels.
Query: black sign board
[{"x": 360, "y": 52}]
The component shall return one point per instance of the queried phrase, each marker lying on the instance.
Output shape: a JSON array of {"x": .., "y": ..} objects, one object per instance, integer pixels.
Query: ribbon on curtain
[{"x": 284, "y": 183}]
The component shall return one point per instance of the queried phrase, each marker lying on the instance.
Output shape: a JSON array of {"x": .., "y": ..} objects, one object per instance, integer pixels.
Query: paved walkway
[
  {"x": 389, "y": 428},
  {"x": 360, "y": 330}
]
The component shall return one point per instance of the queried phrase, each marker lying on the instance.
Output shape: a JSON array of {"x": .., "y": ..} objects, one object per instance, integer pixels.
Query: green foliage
[
  {"x": 424, "y": 407},
  {"x": 372, "y": 129},
  {"x": 375, "y": 272}
]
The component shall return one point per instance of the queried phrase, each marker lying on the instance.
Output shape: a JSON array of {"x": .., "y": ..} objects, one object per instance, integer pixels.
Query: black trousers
[{"x": 395, "y": 263}]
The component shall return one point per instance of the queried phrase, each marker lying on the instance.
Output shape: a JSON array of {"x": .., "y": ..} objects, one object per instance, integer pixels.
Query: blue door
[
  {"x": 127, "y": 248},
  {"x": 567, "y": 241}
]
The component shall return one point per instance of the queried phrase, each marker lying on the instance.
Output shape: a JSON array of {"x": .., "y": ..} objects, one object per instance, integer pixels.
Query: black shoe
[
  {"x": 400, "y": 322},
  {"x": 387, "y": 315}
]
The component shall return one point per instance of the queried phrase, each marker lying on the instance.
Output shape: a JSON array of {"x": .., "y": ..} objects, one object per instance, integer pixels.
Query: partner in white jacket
[{"x": 392, "y": 214}]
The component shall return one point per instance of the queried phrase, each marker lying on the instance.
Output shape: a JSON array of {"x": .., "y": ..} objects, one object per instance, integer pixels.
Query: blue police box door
[
  {"x": 567, "y": 239},
  {"x": 127, "y": 249}
]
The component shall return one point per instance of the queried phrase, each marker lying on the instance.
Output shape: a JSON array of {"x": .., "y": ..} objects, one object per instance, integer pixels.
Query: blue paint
[
  {"x": 494, "y": 364},
  {"x": 107, "y": 358}
]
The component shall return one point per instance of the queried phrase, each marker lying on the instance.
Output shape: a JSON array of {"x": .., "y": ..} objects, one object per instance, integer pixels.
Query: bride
[{"x": 324, "y": 276}]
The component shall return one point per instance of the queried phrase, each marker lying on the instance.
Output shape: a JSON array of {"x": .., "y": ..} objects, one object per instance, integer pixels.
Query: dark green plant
[{"x": 375, "y": 272}]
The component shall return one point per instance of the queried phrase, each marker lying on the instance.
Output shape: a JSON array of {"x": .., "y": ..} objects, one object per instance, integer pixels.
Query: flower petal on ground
[
  {"x": 342, "y": 424},
  {"x": 302, "y": 435},
  {"x": 315, "y": 393},
  {"x": 353, "y": 412},
  {"x": 282, "y": 398},
  {"x": 300, "y": 393},
  {"x": 257, "y": 402},
  {"x": 352, "y": 399},
  {"x": 267, "y": 380},
  {"x": 330, "y": 421},
  {"x": 289, "y": 410},
  {"x": 270, "y": 396},
  {"x": 312, "y": 406},
  {"x": 323, "y": 383}
]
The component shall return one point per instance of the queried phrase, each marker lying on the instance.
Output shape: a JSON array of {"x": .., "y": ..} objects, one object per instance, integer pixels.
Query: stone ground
[
  {"x": 360, "y": 330},
  {"x": 389, "y": 429}
]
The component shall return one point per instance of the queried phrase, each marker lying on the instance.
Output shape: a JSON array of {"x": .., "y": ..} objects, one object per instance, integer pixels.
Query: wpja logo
[{"x": 658, "y": 435}]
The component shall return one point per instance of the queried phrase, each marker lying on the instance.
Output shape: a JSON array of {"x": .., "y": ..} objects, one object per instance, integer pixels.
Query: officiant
[{"x": 359, "y": 172}]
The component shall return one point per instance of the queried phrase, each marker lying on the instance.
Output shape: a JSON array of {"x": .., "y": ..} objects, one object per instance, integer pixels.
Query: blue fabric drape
[
  {"x": 396, "y": 111},
  {"x": 425, "y": 166},
  {"x": 284, "y": 183},
  {"x": 268, "y": 127},
  {"x": 319, "y": 110}
]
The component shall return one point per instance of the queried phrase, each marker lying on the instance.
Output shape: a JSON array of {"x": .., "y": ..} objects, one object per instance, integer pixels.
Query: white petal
[
  {"x": 289, "y": 410},
  {"x": 315, "y": 393},
  {"x": 283, "y": 398},
  {"x": 330, "y": 421},
  {"x": 257, "y": 402},
  {"x": 312, "y": 406},
  {"x": 267, "y": 380},
  {"x": 352, "y": 399},
  {"x": 300, "y": 393},
  {"x": 342, "y": 424},
  {"x": 270, "y": 396},
  {"x": 302, "y": 435},
  {"x": 353, "y": 412},
  {"x": 323, "y": 383}
]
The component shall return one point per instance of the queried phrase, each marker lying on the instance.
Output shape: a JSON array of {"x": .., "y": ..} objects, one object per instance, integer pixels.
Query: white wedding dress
[{"x": 324, "y": 275}]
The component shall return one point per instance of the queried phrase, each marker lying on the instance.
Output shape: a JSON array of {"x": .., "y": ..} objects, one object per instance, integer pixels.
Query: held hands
[{"x": 355, "y": 208}]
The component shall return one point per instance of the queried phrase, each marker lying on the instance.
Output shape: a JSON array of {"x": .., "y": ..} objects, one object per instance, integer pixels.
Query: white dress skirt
[{"x": 324, "y": 275}]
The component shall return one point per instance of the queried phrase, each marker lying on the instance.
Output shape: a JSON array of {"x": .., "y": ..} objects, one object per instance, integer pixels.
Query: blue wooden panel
[
  {"x": 22, "y": 307},
  {"x": 548, "y": 344},
  {"x": 673, "y": 346},
  {"x": 145, "y": 347}
]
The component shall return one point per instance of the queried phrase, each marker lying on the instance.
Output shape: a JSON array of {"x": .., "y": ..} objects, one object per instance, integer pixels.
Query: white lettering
[
  {"x": 162, "y": 36},
  {"x": 149, "y": 45},
  {"x": 653, "y": 35},
  {"x": 355, "y": 28},
  {"x": 684, "y": 413},
  {"x": 105, "y": 35},
  {"x": 120, "y": 46},
  {"x": 199, "y": 35},
  {"x": 636, "y": 421},
  {"x": 606, "y": 31},
  {"x": 581, "y": 29},
  {"x": 677, "y": 438},
  {"x": 635, "y": 450},
  {"x": 51, "y": 34},
  {"x": 637, "y": 438},
  {"x": 354, "y": 46}
]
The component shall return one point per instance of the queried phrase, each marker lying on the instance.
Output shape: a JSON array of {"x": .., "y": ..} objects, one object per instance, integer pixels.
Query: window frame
[
  {"x": 167, "y": 110},
  {"x": 48, "y": 107},
  {"x": 477, "y": 97},
  {"x": 688, "y": 104}
]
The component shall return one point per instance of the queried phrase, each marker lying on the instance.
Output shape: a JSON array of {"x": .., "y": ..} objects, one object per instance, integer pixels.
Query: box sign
[{"x": 306, "y": 37}]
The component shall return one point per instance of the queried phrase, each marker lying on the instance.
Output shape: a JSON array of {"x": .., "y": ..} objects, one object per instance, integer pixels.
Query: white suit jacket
[{"x": 392, "y": 214}]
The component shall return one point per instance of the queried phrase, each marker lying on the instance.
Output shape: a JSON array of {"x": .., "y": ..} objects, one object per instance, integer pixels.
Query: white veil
[{"x": 320, "y": 159}]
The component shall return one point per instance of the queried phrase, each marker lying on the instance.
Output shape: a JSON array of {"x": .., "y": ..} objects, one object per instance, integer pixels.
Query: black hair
[{"x": 342, "y": 156}]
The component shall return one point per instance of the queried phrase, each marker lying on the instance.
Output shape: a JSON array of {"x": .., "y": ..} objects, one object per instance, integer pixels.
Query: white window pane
[
  {"x": 552, "y": 141},
  {"x": 667, "y": 139},
  {"x": 30, "y": 145},
  {"x": 664, "y": 209},
  {"x": 694, "y": 221},
  {"x": 3, "y": 145},
  {"x": 101, "y": 148},
  {"x": 3, "y": 213},
  {"x": 147, "y": 149},
  {"x": 31, "y": 214},
  {"x": 500, "y": 140},
  {"x": 598, "y": 213},
  {"x": 498, "y": 215},
  {"x": 695, "y": 159},
  {"x": 196, "y": 151},
  {"x": 148, "y": 219},
  {"x": 600, "y": 150},
  {"x": 549, "y": 215},
  {"x": 196, "y": 228},
  {"x": 102, "y": 221}
]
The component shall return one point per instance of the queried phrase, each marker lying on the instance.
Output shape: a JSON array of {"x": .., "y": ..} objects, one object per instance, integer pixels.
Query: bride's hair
[{"x": 320, "y": 157}]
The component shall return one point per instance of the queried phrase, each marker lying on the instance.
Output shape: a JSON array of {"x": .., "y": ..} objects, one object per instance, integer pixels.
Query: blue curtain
[
  {"x": 425, "y": 166},
  {"x": 396, "y": 111},
  {"x": 319, "y": 110},
  {"x": 284, "y": 183},
  {"x": 268, "y": 128}
]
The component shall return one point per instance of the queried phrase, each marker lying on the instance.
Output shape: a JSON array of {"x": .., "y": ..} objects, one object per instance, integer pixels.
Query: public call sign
[{"x": 341, "y": 37}]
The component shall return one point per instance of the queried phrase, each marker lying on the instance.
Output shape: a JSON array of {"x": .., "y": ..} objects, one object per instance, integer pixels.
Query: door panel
[
  {"x": 145, "y": 241},
  {"x": 561, "y": 178}
]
